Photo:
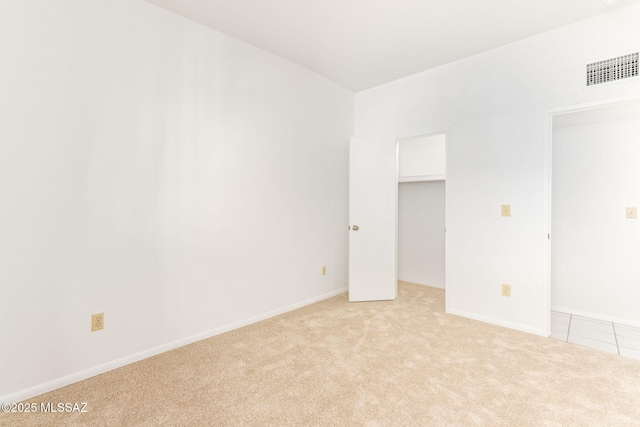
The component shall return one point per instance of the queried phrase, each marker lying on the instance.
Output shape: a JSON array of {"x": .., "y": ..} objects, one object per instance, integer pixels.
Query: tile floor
[{"x": 612, "y": 337}]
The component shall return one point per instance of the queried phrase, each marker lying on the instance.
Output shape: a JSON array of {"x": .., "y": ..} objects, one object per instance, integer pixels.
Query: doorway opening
[
  {"x": 593, "y": 190},
  {"x": 421, "y": 209}
]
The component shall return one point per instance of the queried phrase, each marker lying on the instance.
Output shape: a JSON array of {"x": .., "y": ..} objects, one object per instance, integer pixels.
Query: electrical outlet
[
  {"x": 506, "y": 210},
  {"x": 632, "y": 213},
  {"x": 97, "y": 322},
  {"x": 324, "y": 270},
  {"x": 506, "y": 290}
]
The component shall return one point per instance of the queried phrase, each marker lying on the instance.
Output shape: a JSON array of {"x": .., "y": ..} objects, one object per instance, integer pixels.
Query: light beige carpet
[{"x": 396, "y": 363}]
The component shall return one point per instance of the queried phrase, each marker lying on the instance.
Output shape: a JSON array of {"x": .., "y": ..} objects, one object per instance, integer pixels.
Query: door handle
[{"x": 355, "y": 228}]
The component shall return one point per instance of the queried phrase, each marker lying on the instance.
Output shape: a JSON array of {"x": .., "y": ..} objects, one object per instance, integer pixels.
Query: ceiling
[{"x": 364, "y": 43}]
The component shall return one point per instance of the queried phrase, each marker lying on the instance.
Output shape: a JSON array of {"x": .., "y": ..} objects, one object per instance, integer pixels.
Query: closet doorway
[{"x": 421, "y": 209}]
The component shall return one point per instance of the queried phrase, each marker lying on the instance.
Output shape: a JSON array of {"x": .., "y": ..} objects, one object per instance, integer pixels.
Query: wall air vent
[{"x": 612, "y": 69}]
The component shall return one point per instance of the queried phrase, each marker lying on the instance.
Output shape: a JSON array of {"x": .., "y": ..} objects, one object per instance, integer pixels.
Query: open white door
[{"x": 373, "y": 188}]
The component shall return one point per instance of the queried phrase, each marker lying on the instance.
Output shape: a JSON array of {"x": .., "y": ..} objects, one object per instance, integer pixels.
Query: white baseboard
[
  {"x": 597, "y": 316},
  {"x": 498, "y": 322},
  {"x": 32, "y": 392}
]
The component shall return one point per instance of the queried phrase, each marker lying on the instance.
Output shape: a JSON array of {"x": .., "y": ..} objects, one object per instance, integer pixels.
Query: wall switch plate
[
  {"x": 97, "y": 322},
  {"x": 324, "y": 270},
  {"x": 506, "y": 210},
  {"x": 506, "y": 290},
  {"x": 632, "y": 213}
]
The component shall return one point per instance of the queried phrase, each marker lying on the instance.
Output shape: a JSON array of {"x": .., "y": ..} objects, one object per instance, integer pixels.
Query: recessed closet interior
[{"x": 421, "y": 210}]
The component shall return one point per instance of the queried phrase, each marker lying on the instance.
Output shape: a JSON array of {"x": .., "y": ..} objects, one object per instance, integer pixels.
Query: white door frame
[{"x": 547, "y": 188}]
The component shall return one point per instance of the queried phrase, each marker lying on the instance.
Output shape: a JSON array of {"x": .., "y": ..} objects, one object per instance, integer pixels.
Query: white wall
[
  {"x": 595, "y": 249},
  {"x": 421, "y": 215},
  {"x": 175, "y": 179},
  {"x": 494, "y": 106}
]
